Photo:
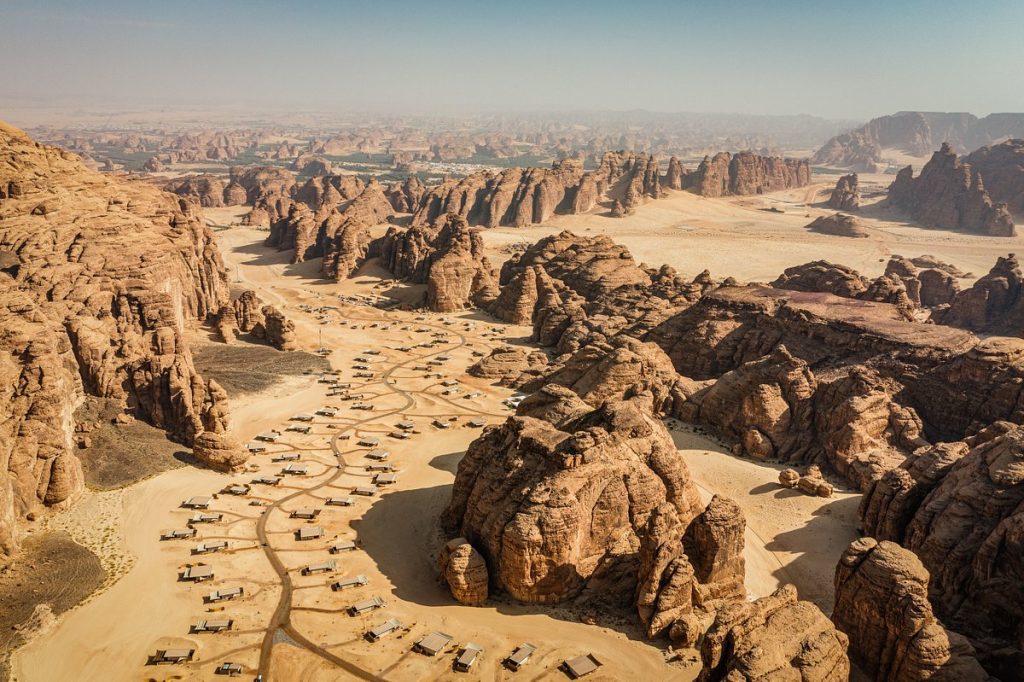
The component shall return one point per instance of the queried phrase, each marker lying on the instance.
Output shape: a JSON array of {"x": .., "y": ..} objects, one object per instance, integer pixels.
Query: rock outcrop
[
  {"x": 916, "y": 133},
  {"x": 517, "y": 197},
  {"x": 276, "y": 329},
  {"x": 773, "y": 638},
  {"x": 98, "y": 278},
  {"x": 220, "y": 451},
  {"x": 448, "y": 258},
  {"x": 840, "y": 225},
  {"x": 950, "y": 195},
  {"x": 550, "y": 507},
  {"x": 846, "y": 195},
  {"x": 207, "y": 189},
  {"x": 882, "y": 606},
  {"x": 1002, "y": 166},
  {"x": 465, "y": 572},
  {"x": 744, "y": 173},
  {"x": 994, "y": 304}
]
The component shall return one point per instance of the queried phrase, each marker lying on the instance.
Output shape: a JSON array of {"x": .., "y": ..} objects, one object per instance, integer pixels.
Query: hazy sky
[{"x": 850, "y": 59}]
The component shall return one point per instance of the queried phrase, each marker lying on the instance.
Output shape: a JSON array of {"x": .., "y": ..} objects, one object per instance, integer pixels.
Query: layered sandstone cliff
[
  {"x": 949, "y": 194},
  {"x": 81, "y": 313}
]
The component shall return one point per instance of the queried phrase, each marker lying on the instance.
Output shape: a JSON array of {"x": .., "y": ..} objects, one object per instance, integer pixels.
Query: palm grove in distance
[{"x": 581, "y": 391}]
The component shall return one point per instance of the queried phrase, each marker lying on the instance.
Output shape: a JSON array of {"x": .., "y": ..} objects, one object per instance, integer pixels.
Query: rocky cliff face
[
  {"x": 992, "y": 304},
  {"x": 449, "y": 259},
  {"x": 776, "y": 637},
  {"x": 82, "y": 314},
  {"x": 1002, "y": 166},
  {"x": 949, "y": 194},
  {"x": 518, "y": 197},
  {"x": 846, "y": 195},
  {"x": 882, "y": 606},
  {"x": 747, "y": 173}
]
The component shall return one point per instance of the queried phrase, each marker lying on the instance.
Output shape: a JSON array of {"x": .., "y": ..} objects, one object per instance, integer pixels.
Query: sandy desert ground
[{"x": 742, "y": 238}]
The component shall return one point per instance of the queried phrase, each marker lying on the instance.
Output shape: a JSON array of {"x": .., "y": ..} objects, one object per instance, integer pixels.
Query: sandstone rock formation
[
  {"x": 838, "y": 224},
  {"x": 248, "y": 311},
  {"x": 207, "y": 189},
  {"x": 882, "y": 606},
  {"x": 82, "y": 314},
  {"x": 448, "y": 258},
  {"x": 747, "y": 173},
  {"x": 825, "y": 277},
  {"x": 517, "y": 197},
  {"x": 994, "y": 303},
  {"x": 549, "y": 507},
  {"x": 774, "y": 638},
  {"x": 219, "y": 451},
  {"x": 465, "y": 571},
  {"x": 846, "y": 195},
  {"x": 276, "y": 329},
  {"x": 1002, "y": 166},
  {"x": 950, "y": 195}
]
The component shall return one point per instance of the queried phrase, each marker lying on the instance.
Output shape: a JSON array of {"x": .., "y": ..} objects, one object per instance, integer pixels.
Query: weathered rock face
[
  {"x": 675, "y": 175},
  {"x": 714, "y": 544},
  {"x": 774, "y": 638},
  {"x": 248, "y": 311},
  {"x": 882, "y": 606},
  {"x": 226, "y": 324},
  {"x": 950, "y": 195},
  {"x": 276, "y": 329},
  {"x": 993, "y": 304},
  {"x": 465, "y": 571},
  {"x": 846, "y": 195},
  {"x": 765, "y": 405},
  {"x": 510, "y": 366},
  {"x": 840, "y": 225},
  {"x": 1002, "y": 166},
  {"x": 517, "y": 197},
  {"x": 969, "y": 533},
  {"x": 747, "y": 173},
  {"x": 208, "y": 190},
  {"x": 449, "y": 259},
  {"x": 81, "y": 313},
  {"x": 219, "y": 451},
  {"x": 820, "y": 275},
  {"x": 623, "y": 369},
  {"x": 548, "y": 507},
  {"x": 458, "y": 273}
]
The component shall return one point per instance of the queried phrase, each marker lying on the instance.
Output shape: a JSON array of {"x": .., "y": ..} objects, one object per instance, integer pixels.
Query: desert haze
[{"x": 358, "y": 376}]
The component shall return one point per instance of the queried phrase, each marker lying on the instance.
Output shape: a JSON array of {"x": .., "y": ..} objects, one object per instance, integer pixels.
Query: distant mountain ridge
[{"x": 917, "y": 133}]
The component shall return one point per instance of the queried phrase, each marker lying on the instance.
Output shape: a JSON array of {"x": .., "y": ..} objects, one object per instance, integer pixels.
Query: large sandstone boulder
[
  {"x": 219, "y": 451},
  {"x": 774, "y": 638},
  {"x": 276, "y": 329},
  {"x": 882, "y": 605},
  {"x": 465, "y": 571},
  {"x": 840, "y": 225}
]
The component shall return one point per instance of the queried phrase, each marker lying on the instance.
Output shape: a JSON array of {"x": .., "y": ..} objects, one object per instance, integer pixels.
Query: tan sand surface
[{"x": 736, "y": 236}]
